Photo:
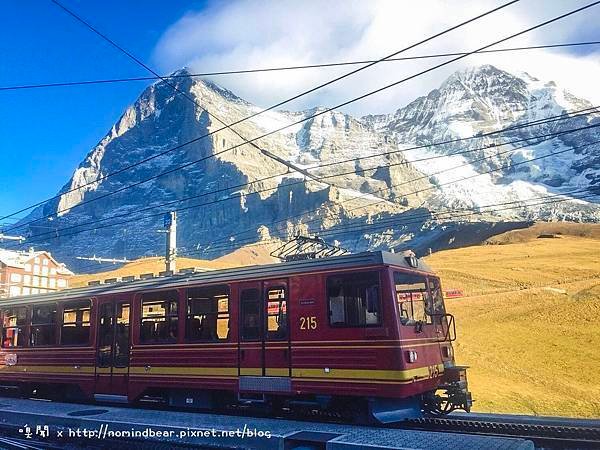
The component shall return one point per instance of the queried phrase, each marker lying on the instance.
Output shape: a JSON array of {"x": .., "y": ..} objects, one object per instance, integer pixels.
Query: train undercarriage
[{"x": 452, "y": 395}]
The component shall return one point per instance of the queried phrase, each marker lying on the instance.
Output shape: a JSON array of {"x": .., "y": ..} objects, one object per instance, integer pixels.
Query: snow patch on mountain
[{"x": 370, "y": 173}]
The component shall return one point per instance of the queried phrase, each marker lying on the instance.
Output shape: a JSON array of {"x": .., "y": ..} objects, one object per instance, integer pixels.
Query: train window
[
  {"x": 251, "y": 315},
  {"x": 413, "y": 298},
  {"x": 75, "y": 328},
  {"x": 207, "y": 314},
  {"x": 354, "y": 300},
  {"x": 159, "y": 317},
  {"x": 437, "y": 296},
  {"x": 276, "y": 314},
  {"x": 105, "y": 335},
  {"x": 43, "y": 325},
  {"x": 121, "y": 358},
  {"x": 14, "y": 327}
]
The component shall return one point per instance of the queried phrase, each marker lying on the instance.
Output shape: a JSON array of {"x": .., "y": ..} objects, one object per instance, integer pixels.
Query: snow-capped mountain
[{"x": 372, "y": 188}]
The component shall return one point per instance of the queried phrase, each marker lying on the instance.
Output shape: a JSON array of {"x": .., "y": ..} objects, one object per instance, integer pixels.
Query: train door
[
  {"x": 277, "y": 360},
  {"x": 113, "y": 344},
  {"x": 264, "y": 329},
  {"x": 251, "y": 357}
]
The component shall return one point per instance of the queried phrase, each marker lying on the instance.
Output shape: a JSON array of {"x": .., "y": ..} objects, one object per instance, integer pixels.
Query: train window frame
[
  {"x": 216, "y": 294},
  {"x": 169, "y": 297},
  {"x": 425, "y": 300},
  {"x": 260, "y": 322},
  {"x": 282, "y": 332},
  {"x": 437, "y": 296},
  {"x": 52, "y": 325},
  {"x": 353, "y": 277},
  {"x": 121, "y": 353},
  {"x": 104, "y": 350},
  {"x": 79, "y": 322},
  {"x": 23, "y": 326}
]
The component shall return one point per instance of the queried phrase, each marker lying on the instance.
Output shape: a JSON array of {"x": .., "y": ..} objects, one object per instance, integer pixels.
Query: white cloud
[{"x": 256, "y": 33}]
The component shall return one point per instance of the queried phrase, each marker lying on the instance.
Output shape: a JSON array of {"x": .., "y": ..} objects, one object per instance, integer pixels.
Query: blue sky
[{"x": 47, "y": 132}]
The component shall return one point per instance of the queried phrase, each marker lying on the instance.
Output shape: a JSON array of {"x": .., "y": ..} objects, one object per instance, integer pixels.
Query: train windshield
[
  {"x": 417, "y": 302},
  {"x": 437, "y": 296},
  {"x": 354, "y": 300}
]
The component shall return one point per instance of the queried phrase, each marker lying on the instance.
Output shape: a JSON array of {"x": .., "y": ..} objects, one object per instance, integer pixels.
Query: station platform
[{"x": 121, "y": 427}]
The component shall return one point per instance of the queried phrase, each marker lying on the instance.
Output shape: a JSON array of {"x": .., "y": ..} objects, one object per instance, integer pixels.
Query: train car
[{"x": 355, "y": 334}]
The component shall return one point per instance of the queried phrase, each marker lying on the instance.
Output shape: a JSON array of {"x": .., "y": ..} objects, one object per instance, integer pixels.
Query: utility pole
[{"x": 170, "y": 224}]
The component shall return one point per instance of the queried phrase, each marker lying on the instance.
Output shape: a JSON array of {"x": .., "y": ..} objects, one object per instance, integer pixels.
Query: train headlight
[
  {"x": 411, "y": 356},
  {"x": 447, "y": 351}
]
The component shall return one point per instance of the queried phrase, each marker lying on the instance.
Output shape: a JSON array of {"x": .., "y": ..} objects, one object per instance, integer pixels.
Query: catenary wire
[
  {"x": 369, "y": 193},
  {"x": 527, "y": 140},
  {"x": 400, "y": 220},
  {"x": 450, "y": 141},
  {"x": 412, "y": 193},
  {"x": 580, "y": 9},
  {"x": 412, "y": 218},
  {"x": 284, "y": 68},
  {"x": 354, "y": 171},
  {"x": 243, "y": 119},
  {"x": 319, "y": 113}
]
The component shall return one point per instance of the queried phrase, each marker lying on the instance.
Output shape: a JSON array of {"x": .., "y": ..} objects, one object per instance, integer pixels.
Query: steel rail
[{"x": 547, "y": 434}]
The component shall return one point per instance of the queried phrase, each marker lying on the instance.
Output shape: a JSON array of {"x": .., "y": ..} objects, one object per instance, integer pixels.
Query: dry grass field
[
  {"x": 530, "y": 324},
  {"x": 146, "y": 265},
  {"x": 244, "y": 256}
]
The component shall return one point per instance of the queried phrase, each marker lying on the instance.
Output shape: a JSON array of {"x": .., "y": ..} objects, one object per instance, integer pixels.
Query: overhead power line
[
  {"x": 241, "y": 120},
  {"x": 319, "y": 113},
  {"x": 562, "y": 16},
  {"x": 406, "y": 220},
  {"x": 550, "y": 119},
  {"x": 135, "y": 219},
  {"x": 6, "y": 237},
  {"x": 103, "y": 260},
  {"x": 253, "y": 230},
  {"x": 542, "y": 138},
  {"x": 284, "y": 68},
  {"x": 437, "y": 215},
  {"x": 536, "y": 122}
]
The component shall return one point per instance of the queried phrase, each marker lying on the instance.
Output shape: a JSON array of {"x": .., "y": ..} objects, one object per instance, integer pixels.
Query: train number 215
[{"x": 308, "y": 323}]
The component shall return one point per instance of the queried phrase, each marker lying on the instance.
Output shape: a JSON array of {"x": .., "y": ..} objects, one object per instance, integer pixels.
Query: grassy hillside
[
  {"x": 589, "y": 230},
  {"x": 146, "y": 265},
  {"x": 530, "y": 326},
  {"x": 245, "y": 256}
]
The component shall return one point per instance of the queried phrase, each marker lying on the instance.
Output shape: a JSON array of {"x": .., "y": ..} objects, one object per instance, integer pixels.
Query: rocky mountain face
[{"x": 368, "y": 186}]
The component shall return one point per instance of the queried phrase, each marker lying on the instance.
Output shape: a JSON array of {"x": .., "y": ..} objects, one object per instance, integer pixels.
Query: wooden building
[{"x": 31, "y": 272}]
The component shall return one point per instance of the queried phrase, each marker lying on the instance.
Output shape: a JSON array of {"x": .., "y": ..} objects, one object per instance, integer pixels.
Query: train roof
[{"x": 233, "y": 274}]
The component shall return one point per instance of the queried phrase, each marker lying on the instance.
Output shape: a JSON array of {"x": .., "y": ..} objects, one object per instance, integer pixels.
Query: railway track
[{"x": 546, "y": 433}]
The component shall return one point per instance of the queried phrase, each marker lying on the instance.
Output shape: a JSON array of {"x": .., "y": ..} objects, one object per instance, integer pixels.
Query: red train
[{"x": 364, "y": 333}]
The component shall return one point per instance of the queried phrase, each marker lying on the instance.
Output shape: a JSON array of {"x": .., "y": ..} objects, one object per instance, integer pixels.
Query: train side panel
[
  {"x": 182, "y": 365},
  {"x": 327, "y": 333}
]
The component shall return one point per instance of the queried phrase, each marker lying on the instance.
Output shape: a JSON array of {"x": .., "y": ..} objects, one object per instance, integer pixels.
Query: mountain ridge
[{"x": 394, "y": 182}]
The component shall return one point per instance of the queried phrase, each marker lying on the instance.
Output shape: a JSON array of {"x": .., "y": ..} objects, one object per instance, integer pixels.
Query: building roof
[
  {"x": 18, "y": 259},
  {"x": 227, "y": 275}
]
